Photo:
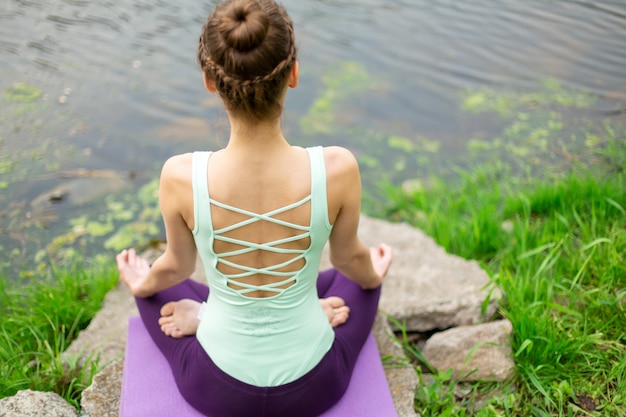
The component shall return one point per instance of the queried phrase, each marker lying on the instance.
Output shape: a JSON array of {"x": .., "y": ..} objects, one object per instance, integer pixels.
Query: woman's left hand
[{"x": 133, "y": 271}]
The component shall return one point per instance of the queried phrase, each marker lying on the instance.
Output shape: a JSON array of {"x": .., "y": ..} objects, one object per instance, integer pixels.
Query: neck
[{"x": 247, "y": 136}]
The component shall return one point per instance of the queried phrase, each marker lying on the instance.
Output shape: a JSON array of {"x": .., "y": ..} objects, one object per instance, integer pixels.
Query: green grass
[
  {"x": 38, "y": 320},
  {"x": 556, "y": 246}
]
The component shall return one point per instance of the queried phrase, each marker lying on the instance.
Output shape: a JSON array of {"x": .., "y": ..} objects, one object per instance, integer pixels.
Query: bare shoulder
[
  {"x": 177, "y": 168},
  {"x": 339, "y": 162},
  {"x": 176, "y": 191},
  {"x": 343, "y": 181}
]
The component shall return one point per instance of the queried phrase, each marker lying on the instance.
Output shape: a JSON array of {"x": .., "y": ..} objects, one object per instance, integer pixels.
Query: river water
[{"x": 116, "y": 89}]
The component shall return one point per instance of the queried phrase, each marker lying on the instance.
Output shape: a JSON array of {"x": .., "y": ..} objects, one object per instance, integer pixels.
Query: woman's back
[
  {"x": 262, "y": 262},
  {"x": 261, "y": 185}
]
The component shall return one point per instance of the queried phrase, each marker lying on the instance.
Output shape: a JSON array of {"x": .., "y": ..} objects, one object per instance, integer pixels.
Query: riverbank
[
  {"x": 555, "y": 245},
  {"x": 555, "y": 248},
  {"x": 39, "y": 318}
]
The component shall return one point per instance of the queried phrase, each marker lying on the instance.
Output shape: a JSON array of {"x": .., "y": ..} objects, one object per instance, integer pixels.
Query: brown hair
[{"x": 247, "y": 47}]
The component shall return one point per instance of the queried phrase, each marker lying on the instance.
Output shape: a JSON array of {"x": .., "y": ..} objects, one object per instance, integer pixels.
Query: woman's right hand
[{"x": 381, "y": 259}]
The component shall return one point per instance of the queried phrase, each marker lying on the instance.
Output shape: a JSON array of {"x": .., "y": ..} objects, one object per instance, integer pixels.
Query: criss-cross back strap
[{"x": 271, "y": 246}]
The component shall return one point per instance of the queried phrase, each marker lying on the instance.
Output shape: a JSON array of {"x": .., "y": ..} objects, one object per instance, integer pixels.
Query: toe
[
  {"x": 339, "y": 319},
  {"x": 177, "y": 334},
  {"x": 168, "y": 308},
  {"x": 166, "y": 320},
  {"x": 336, "y": 302},
  {"x": 340, "y": 316},
  {"x": 170, "y": 330}
]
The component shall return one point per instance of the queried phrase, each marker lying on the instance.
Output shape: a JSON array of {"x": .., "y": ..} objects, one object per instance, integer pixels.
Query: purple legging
[{"x": 216, "y": 394}]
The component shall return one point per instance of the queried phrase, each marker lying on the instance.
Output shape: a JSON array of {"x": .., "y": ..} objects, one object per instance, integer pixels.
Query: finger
[
  {"x": 385, "y": 251},
  {"x": 123, "y": 254},
  {"x": 133, "y": 258},
  {"x": 121, "y": 259},
  {"x": 377, "y": 252}
]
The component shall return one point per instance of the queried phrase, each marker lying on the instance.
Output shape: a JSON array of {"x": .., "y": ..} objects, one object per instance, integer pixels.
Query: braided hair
[{"x": 247, "y": 47}]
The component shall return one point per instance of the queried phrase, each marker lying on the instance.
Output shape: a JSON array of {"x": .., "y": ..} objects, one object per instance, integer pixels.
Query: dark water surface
[{"x": 121, "y": 90}]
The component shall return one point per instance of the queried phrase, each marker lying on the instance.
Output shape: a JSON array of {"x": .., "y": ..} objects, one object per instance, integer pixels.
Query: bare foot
[
  {"x": 180, "y": 318},
  {"x": 336, "y": 310}
]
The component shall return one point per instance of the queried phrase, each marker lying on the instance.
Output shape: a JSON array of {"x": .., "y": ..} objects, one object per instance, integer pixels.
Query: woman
[{"x": 274, "y": 337}]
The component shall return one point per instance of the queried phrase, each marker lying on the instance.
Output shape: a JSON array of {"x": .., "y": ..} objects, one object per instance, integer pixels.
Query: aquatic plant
[
  {"x": 547, "y": 130},
  {"x": 342, "y": 80},
  {"x": 22, "y": 92},
  {"x": 130, "y": 219},
  {"x": 332, "y": 115}
]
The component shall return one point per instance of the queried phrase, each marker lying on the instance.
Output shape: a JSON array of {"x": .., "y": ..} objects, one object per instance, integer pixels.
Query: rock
[
  {"x": 104, "y": 340},
  {"x": 475, "y": 353},
  {"x": 81, "y": 190},
  {"x": 427, "y": 288},
  {"x": 102, "y": 398},
  {"x": 29, "y": 403}
]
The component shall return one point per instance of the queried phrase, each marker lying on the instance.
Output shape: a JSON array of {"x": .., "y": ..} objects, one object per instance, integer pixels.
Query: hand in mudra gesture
[
  {"x": 133, "y": 270},
  {"x": 381, "y": 259}
]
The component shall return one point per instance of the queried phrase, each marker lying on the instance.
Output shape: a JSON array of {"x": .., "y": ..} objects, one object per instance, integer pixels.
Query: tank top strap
[
  {"x": 319, "y": 205},
  {"x": 200, "y": 186}
]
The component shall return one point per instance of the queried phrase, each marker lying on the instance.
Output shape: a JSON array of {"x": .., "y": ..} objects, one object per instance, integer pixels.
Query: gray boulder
[
  {"x": 29, "y": 403},
  {"x": 102, "y": 398},
  {"x": 475, "y": 353},
  {"x": 427, "y": 288}
]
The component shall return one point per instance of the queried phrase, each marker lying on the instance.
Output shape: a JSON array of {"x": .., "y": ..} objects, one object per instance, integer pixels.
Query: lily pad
[
  {"x": 401, "y": 143},
  {"x": 22, "y": 92},
  {"x": 131, "y": 234}
]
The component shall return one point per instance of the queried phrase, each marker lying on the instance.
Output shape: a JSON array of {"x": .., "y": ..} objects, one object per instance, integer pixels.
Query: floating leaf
[
  {"x": 368, "y": 161},
  {"x": 97, "y": 229},
  {"x": 592, "y": 141},
  {"x": 398, "y": 142},
  {"x": 65, "y": 240},
  {"x": 476, "y": 145},
  {"x": 518, "y": 150},
  {"x": 148, "y": 194},
  {"x": 131, "y": 234},
  {"x": 474, "y": 100},
  {"x": 7, "y": 167},
  {"x": 431, "y": 146},
  {"x": 400, "y": 165},
  {"x": 422, "y": 160},
  {"x": 22, "y": 92},
  {"x": 119, "y": 211}
]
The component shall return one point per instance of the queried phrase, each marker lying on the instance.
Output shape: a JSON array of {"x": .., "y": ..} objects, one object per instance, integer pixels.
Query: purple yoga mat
[{"x": 148, "y": 388}]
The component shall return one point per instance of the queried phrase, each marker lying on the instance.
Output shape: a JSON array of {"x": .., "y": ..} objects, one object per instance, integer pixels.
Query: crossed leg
[
  {"x": 180, "y": 318},
  {"x": 196, "y": 375}
]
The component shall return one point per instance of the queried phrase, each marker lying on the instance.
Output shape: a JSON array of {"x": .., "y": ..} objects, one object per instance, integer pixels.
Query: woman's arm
[
  {"x": 366, "y": 266},
  {"x": 179, "y": 259}
]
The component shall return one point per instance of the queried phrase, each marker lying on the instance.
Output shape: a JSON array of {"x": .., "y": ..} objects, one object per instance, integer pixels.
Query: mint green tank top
[{"x": 263, "y": 341}]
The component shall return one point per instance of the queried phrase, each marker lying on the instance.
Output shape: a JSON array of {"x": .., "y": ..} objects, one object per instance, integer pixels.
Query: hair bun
[{"x": 245, "y": 26}]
